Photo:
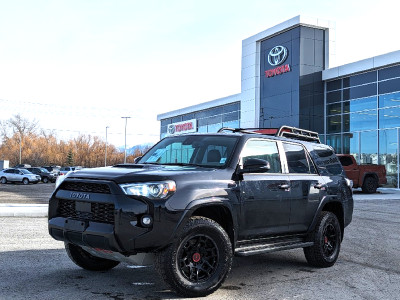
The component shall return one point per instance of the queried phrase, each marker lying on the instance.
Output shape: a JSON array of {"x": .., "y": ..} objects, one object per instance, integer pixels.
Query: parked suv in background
[
  {"x": 45, "y": 175},
  {"x": 194, "y": 201},
  {"x": 18, "y": 175}
]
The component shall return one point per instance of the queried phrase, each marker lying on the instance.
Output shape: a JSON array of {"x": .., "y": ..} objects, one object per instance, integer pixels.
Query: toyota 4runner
[{"x": 194, "y": 201}]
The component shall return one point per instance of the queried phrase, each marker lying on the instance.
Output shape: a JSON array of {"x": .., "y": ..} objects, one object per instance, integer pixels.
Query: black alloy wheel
[
  {"x": 327, "y": 237},
  {"x": 198, "y": 258}
]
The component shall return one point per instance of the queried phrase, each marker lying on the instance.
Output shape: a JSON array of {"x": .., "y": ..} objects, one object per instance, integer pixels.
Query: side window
[
  {"x": 263, "y": 149},
  {"x": 296, "y": 159},
  {"x": 9, "y": 171}
]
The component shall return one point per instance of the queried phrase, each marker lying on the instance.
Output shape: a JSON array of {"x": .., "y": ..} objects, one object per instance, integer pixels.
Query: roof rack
[{"x": 283, "y": 131}]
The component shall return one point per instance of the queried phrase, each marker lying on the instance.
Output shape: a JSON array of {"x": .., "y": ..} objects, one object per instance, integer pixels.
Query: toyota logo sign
[{"x": 277, "y": 55}]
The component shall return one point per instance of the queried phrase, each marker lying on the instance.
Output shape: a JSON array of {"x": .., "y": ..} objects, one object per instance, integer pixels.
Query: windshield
[{"x": 198, "y": 150}]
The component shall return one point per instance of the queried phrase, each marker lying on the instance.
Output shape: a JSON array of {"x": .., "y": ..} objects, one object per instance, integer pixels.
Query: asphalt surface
[{"x": 34, "y": 266}]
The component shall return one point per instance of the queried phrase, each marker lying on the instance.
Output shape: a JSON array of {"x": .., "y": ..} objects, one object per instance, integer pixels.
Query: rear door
[
  {"x": 306, "y": 186},
  {"x": 264, "y": 197}
]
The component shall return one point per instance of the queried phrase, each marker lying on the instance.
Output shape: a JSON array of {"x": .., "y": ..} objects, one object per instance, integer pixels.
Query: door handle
[
  {"x": 319, "y": 186},
  {"x": 284, "y": 186}
]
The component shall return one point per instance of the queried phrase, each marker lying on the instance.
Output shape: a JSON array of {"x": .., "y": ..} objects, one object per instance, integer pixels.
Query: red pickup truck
[{"x": 368, "y": 177}]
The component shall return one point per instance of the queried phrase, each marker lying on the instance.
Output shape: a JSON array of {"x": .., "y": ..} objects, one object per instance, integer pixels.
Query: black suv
[
  {"x": 45, "y": 176},
  {"x": 194, "y": 201}
]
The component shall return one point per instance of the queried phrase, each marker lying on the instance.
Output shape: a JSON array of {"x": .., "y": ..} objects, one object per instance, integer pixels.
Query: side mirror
[{"x": 255, "y": 165}]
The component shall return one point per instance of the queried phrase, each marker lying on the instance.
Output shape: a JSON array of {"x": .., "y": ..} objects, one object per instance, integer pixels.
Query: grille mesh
[
  {"x": 100, "y": 188},
  {"x": 100, "y": 212}
]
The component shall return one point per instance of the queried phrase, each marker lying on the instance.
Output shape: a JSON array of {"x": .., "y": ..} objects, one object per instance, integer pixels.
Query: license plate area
[
  {"x": 83, "y": 206},
  {"x": 75, "y": 225}
]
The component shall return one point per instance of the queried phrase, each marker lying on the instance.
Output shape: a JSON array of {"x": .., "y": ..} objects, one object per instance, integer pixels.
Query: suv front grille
[
  {"x": 100, "y": 212},
  {"x": 100, "y": 188}
]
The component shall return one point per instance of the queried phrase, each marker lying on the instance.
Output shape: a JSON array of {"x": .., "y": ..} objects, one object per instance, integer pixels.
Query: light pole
[
  {"x": 126, "y": 121},
  {"x": 105, "y": 157}
]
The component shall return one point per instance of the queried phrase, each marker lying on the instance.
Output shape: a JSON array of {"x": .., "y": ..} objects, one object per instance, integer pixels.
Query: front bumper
[{"x": 106, "y": 218}]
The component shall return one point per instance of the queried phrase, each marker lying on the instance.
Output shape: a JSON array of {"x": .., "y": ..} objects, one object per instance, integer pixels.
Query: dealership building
[{"x": 286, "y": 80}]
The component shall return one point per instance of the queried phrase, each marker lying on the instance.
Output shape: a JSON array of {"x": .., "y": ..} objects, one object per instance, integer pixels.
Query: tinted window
[
  {"x": 9, "y": 171},
  {"x": 345, "y": 160},
  {"x": 334, "y": 109},
  {"x": 326, "y": 160},
  {"x": 389, "y": 86},
  {"x": 333, "y": 96},
  {"x": 296, "y": 158},
  {"x": 389, "y": 73},
  {"x": 359, "y": 91},
  {"x": 359, "y": 79},
  {"x": 263, "y": 149},
  {"x": 334, "y": 85}
]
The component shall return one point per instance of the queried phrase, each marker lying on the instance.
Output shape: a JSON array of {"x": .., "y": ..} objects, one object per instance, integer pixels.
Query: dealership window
[
  {"x": 332, "y": 97},
  {"x": 369, "y": 147},
  {"x": 334, "y": 109},
  {"x": 388, "y": 144},
  {"x": 360, "y": 121},
  {"x": 389, "y": 100},
  {"x": 335, "y": 141},
  {"x": 360, "y": 104},
  {"x": 334, "y": 124},
  {"x": 359, "y": 91},
  {"x": 389, "y": 117},
  {"x": 387, "y": 73},
  {"x": 389, "y": 86},
  {"x": 334, "y": 85},
  {"x": 359, "y": 79}
]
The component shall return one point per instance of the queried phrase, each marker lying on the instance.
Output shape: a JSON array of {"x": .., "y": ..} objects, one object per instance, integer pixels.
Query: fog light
[{"x": 147, "y": 221}]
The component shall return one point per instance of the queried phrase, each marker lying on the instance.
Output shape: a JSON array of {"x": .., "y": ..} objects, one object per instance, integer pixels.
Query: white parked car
[{"x": 18, "y": 175}]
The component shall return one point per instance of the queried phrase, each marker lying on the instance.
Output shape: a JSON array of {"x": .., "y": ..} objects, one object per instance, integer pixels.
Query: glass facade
[
  {"x": 209, "y": 120},
  {"x": 363, "y": 118}
]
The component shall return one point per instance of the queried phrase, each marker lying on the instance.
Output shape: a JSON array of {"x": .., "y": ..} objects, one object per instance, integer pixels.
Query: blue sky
[{"x": 79, "y": 66}]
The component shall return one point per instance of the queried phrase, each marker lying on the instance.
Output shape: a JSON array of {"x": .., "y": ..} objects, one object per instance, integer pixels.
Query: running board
[{"x": 247, "y": 250}]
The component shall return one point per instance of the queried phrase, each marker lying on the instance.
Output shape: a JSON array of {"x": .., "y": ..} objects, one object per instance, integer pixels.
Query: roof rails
[{"x": 283, "y": 131}]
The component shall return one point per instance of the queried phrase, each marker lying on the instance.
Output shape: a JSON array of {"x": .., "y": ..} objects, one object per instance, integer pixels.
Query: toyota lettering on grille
[{"x": 79, "y": 196}]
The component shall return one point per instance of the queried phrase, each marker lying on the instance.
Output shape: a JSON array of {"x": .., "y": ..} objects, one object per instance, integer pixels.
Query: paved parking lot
[
  {"x": 31, "y": 193},
  {"x": 36, "y": 267}
]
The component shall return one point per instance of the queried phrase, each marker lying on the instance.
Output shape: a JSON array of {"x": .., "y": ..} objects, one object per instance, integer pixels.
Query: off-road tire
[
  {"x": 25, "y": 181},
  {"x": 87, "y": 261},
  {"x": 199, "y": 259},
  {"x": 370, "y": 185},
  {"x": 326, "y": 237},
  {"x": 3, "y": 180}
]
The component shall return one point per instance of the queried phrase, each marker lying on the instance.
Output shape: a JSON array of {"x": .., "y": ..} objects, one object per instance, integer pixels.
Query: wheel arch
[
  {"x": 370, "y": 174},
  {"x": 220, "y": 214},
  {"x": 331, "y": 205}
]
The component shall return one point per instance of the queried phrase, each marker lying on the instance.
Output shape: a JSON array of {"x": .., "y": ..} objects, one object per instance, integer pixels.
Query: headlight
[{"x": 151, "y": 190}]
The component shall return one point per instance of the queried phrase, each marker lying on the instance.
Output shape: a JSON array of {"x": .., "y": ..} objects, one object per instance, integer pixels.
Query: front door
[{"x": 265, "y": 201}]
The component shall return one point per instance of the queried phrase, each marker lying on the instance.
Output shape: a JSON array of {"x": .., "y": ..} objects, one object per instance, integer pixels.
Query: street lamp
[
  {"x": 126, "y": 121},
  {"x": 105, "y": 157}
]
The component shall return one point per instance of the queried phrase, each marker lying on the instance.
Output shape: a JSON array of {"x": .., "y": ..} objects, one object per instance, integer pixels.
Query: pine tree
[{"x": 70, "y": 158}]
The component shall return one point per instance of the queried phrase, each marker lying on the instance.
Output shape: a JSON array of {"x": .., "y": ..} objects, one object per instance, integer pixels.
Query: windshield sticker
[
  {"x": 223, "y": 160},
  {"x": 156, "y": 155}
]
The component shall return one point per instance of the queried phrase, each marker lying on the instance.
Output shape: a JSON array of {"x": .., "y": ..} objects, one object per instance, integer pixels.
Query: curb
[{"x": 24, "y": 210}]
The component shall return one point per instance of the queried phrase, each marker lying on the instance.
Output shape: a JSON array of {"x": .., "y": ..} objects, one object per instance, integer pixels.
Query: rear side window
[
  {"x": 345, "y": 161},
  {"x": 297, "y": 159},
  {"x": 326, "y": 160}
]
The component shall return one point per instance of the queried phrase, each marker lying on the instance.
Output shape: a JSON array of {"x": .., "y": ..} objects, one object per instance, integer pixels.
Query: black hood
[{"x": 141, "y": 173}]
